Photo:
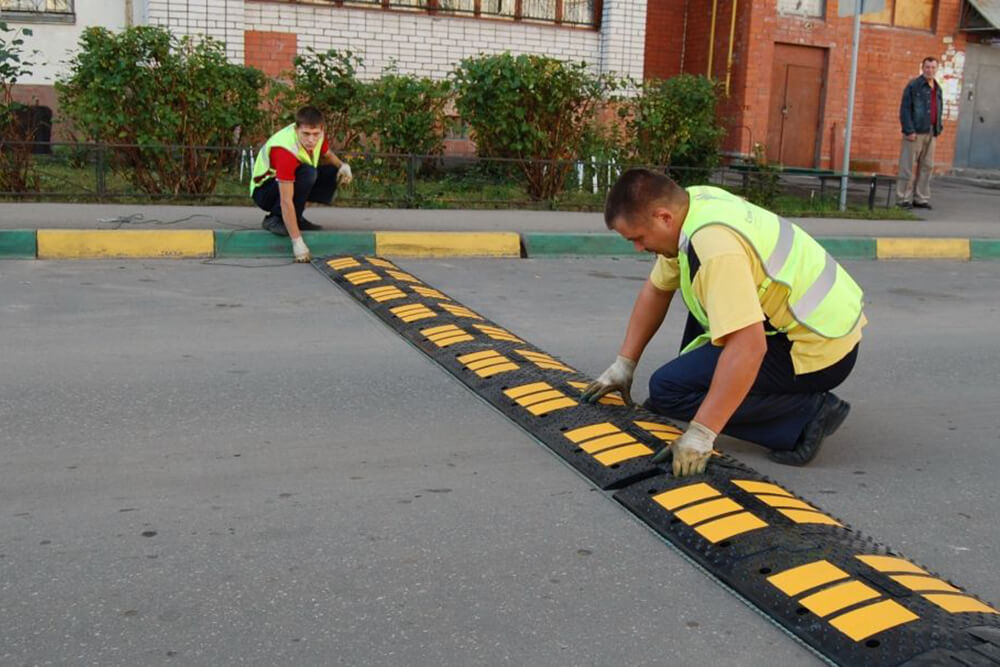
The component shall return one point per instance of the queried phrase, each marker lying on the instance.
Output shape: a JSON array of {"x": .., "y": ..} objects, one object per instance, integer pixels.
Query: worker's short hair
[
  {"x": 928, "y": 59},
  {"x": 309, "y": 116},
  {"x": 636, "y": 190}
]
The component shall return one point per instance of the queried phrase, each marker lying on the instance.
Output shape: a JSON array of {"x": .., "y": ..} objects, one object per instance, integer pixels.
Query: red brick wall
[
  {"x": 270, "y": 52},
  {"x": 664, "y": 45},
  {"x": 888, "y": 58}
]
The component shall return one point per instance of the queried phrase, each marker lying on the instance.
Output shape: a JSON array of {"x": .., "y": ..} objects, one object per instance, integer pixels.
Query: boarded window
[
  {"x": 917, "y": 14},
  {"x": 814, "y": 8}
]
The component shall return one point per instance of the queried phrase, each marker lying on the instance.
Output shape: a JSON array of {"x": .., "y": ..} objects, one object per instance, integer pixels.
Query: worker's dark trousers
[
  {"x": 779, "y": 404},
  {"x": 316, "y": 184}
]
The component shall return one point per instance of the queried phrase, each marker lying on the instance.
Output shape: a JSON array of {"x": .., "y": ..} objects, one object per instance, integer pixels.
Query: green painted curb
[
  {"x": 18, "y": 244},
  {"x": 849, "y": 248},
  {"x": 984, "y": 249},
  {"x": 266, "y": 244},
  {"x": 597, "y": 243}
]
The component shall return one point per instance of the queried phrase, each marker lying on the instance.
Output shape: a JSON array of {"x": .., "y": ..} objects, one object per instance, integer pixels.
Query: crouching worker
[
  {"x": 774, "y": 322},
  {"x": 296, "y": 165}
]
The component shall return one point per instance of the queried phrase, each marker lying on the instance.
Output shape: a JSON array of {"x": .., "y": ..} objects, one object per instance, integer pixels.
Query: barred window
[
  {"x": 568, "y": 12},
  {"x": 37, "y": 6}
]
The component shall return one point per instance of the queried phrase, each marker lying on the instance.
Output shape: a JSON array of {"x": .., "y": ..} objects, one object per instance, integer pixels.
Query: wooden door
[{"x": 794, "y": 121}]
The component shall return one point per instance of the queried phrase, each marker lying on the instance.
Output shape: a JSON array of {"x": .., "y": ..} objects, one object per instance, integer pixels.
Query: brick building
[{"x": 783, "y": 64}]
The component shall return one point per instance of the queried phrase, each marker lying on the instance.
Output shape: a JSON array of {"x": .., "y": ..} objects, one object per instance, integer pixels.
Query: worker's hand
[
  {"x": 300, "y": 250},
  {"x": 911, "y": 136},
  {"x": 344, "y": 175},
  {"x": 691, "y": 450},
  {"x": 617, "y": 377}
]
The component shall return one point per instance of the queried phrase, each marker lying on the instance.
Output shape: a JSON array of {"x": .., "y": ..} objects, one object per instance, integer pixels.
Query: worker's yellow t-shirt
[{"x": 726, "y": 286}]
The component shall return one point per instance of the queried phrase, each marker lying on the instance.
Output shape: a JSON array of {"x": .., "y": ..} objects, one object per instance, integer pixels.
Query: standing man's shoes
[
  {"x": 831, "y": 415},
  {"x": 275, "y": 225},
  {"x": 922, "y": 204},
  {"x": 904, "y": 204},
  {"x": 306, "y": 226}
]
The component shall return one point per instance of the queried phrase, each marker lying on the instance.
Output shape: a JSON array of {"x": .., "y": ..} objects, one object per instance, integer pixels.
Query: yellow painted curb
[
  {"x": 119, "y": 243},
  {"x": 448, "y": 244},
  {"x": 905, "y": 248}
]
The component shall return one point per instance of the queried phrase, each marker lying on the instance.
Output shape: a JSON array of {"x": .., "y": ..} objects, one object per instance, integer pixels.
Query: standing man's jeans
[
  {"x": 779, "y": 404},
  {"x": 315, "y": 184},
  {"x": 916, "y": 162}
]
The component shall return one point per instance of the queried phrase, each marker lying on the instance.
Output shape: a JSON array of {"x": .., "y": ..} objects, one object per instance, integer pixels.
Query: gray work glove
[
  {"x": 618, "y": 377},
  {"x": 300, "y": 250},
  {"x": 691, "y": 451}
]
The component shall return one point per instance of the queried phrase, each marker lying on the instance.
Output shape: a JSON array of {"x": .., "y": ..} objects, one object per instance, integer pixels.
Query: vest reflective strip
[
  {"x": 818, "y": 291},
  {"x": 782, "y": 249},
  {"x": 682, "y": 243}
]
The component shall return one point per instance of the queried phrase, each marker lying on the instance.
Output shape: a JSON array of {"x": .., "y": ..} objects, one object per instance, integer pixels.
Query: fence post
[
  {"x": 101, "y": 182},
  {"x": 872, "y": 188},
  {"x": 411, "y": 177}
]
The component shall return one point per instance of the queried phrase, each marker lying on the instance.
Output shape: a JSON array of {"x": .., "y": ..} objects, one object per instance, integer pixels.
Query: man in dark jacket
[{"x": 920, "y": 115}]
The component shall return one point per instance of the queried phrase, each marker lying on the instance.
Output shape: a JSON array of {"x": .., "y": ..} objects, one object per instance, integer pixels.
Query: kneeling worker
[
  {"x": 296, "y": 165},
  {"x": 774, "y": 321}
]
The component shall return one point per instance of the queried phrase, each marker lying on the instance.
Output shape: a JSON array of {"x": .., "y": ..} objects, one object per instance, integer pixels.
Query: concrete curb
[{"x": 179, "y": 244}]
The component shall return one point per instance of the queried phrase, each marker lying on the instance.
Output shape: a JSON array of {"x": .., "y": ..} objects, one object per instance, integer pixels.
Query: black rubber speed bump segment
[{"x": 853, "y": 600}]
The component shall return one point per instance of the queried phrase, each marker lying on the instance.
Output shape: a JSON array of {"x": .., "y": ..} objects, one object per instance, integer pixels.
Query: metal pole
[{"x": 850, "y": 105}]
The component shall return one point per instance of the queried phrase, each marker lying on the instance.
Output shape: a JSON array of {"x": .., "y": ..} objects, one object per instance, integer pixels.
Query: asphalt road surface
[{"x": 214, "y": 465}]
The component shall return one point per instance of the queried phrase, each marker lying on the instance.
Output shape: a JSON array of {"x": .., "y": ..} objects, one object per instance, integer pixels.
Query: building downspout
[
  {"x": 732, "y": 37},
  {"x": 129, "y": 11},
  {"x": 684, "y": 35},
  {"x": 711, "y": 38}
]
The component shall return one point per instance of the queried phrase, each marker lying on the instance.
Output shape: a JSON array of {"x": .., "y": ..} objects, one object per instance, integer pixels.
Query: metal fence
[{"x": 136, "y": 173}]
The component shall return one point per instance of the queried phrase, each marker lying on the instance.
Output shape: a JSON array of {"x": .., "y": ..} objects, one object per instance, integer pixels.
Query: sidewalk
[{"x": 964, "y": 212}]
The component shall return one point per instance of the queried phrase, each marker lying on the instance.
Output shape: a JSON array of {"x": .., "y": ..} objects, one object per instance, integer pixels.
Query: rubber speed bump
[{"x": 851, "y": 599}]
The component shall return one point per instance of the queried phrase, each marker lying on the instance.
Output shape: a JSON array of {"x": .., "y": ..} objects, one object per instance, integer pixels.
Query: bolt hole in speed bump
[{"x": 853, "y": 600}]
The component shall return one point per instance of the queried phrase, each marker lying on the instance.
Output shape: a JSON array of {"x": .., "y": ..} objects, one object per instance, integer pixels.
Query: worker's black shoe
[
  {"x": 831, "y": 415},
  {"x": 306, "y": 226},
  {"x": 275, "y": 225}
]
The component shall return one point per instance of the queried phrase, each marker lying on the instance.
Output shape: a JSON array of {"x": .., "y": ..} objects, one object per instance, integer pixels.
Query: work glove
[
  {"x": 300, "y": 250},
  {"x": 617, "y": 377},
  {"x": 691, "y": 450},
  {"x": 344, "y": 175}
]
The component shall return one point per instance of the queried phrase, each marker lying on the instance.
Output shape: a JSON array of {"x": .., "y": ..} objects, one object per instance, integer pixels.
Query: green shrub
[
  {"x": 530, "y": 108},
  {"x": 164, "y": 97},
  {"x": 406, "y": 114},
  {"x": 328, "y": 81},
  {"x": 762, "y": 183},
  {"x": 672, "y": 123},
  {"x": 16, "y": 166}
]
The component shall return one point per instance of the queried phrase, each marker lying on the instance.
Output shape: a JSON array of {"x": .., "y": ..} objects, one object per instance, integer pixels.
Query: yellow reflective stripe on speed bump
[
  {"x": 412, "y": 312},
  {"x": 487, "y": 363},
  {"x": 934, "y": 590},
  {"x": 664, "y": 432},
  {"x": 362, "y": 277},
  {"x": 496, "y": 333},
  {"x": 429, "y": 292},
  {"x": 607, "y": 443},
  {"x": 702, "y": 505},
  {"x": 343, "y": 263},
  {"x": 859, "y": 623},
  {"x": 460, "y": 311},
  {"x": 782, "y": 500},
  {"x": 525, "y": 397},
  {"x": 405, "y": 277},
  {"x": 543, "y": 360},
  {"x": 385, "y": 293},
  {"x": 377, "y": 261},
  {"x": 446, "y": 335}
]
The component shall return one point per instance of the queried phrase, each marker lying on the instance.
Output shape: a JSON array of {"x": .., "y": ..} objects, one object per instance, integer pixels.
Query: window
[
  {"x": 813, "y": 8},
  {"x": 905, "y": 14},
  {"x": 55, "y": 11},
  {"x": 563, "y": 12}
]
